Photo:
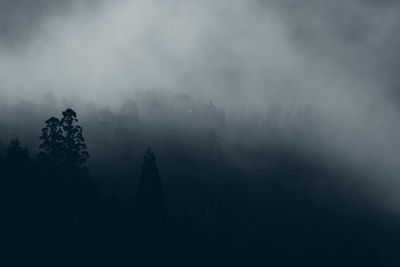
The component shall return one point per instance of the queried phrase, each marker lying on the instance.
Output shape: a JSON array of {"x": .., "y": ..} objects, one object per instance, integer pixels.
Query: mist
[
  {"x": 270, "y": 130},
  {"x": 338, "y": 57}
]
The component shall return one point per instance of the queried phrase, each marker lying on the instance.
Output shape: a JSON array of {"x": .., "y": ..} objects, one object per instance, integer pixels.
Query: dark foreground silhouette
[{"x": 52, "y": 213}]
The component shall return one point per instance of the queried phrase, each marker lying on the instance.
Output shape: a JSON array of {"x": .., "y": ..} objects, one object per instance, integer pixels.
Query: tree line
[{"x": 53, "y": 213}]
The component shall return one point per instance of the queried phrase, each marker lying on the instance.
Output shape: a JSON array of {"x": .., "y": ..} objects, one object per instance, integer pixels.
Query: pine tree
[{"x": 150, "y": 206}]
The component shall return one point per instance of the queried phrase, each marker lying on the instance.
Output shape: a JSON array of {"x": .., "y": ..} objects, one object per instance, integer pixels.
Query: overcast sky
[
  {"x": 339, "y": 55},
  {"x": 252, "y": 51}
]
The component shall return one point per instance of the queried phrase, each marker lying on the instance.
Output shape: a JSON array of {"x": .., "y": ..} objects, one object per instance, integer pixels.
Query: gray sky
[
  {"x": 251, "y": 51},
  {"x": 338, "y": 55}
]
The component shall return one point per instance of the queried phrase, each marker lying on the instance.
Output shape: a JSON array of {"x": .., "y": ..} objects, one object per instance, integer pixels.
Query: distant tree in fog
[
  {"x": 213, "y": 144},
  {"x": 214, "y": 117},
  {"x": 129, "y": 113},
  {"x": 16, "y": 155}
]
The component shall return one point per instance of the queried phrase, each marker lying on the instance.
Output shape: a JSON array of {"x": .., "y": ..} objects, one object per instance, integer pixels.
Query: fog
[{"x": 338, "y": 57}]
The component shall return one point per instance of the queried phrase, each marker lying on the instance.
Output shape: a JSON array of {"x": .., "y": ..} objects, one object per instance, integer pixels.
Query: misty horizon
[{"x": 243, "y": 103}]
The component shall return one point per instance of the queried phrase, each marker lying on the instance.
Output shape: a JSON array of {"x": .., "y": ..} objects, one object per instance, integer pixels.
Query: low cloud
[{"x": 339, "y": 57}]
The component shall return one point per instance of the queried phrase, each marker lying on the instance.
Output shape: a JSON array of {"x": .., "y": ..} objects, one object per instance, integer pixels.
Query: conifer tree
[{"x": 150, "y": 206}]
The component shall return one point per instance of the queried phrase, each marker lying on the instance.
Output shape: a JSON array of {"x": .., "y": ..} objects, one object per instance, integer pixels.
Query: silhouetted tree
[
  {"x": 150, "y": 206},
  {"x": 51, "y": 141},
  {"x": 73, "y": 141},
  {"x": 69, "y": 196},
  {"x": 63, "y": 142},
  {"x": 150, "y": 214}
]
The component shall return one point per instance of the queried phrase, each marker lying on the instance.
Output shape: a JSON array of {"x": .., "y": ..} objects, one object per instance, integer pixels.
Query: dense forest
[
  {"x": 165, "y": 178},
  {"x": 200, "y": 133}
]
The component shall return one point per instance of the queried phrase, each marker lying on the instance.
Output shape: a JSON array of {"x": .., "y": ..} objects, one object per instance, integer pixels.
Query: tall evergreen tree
[{"x": 150, "y": 205}]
